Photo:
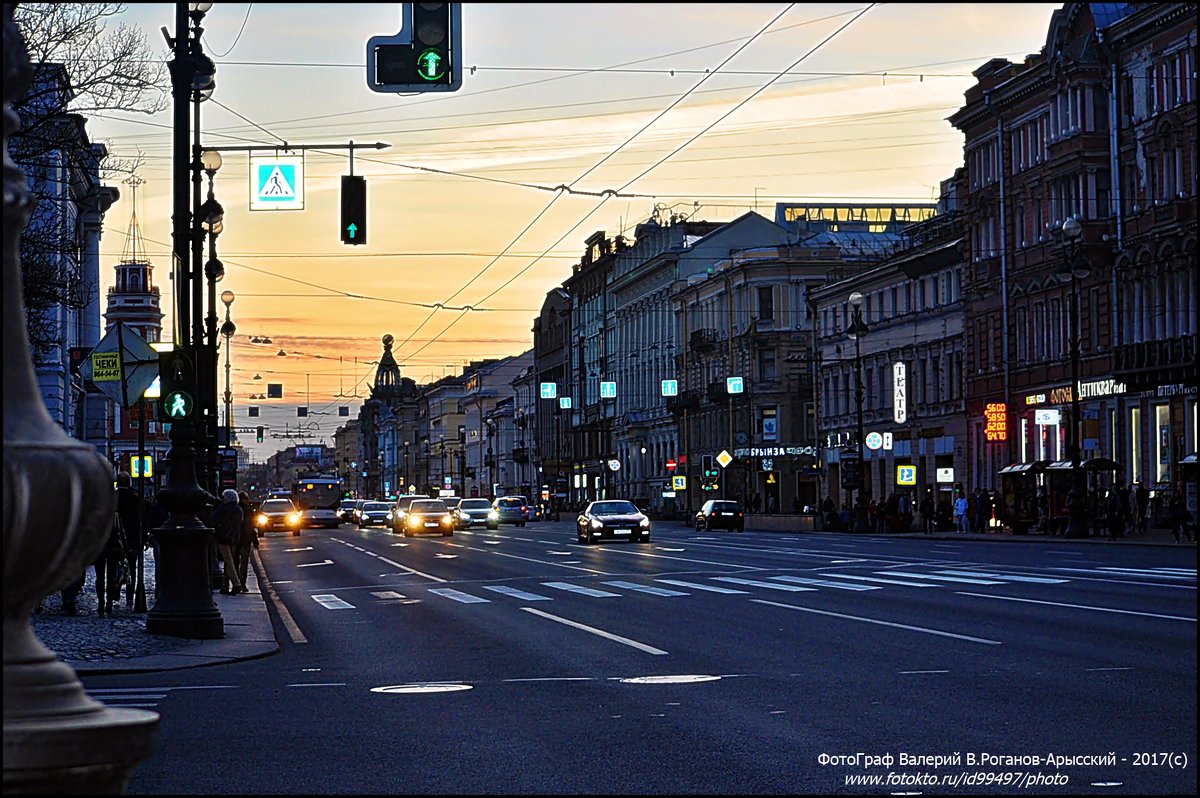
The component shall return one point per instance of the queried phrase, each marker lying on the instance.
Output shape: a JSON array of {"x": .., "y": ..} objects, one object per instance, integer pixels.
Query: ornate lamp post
[
  {"x": 227, "y": 331},
  {"x": 57, "y": 740},
  {"x": 1072, "y": 270},
  {"x": 857, "y": 329}
]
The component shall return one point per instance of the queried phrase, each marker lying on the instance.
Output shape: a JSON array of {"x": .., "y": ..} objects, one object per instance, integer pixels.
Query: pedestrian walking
[
  {"x": 960, "y": 514},
  {"x": 1140, "y": 508},
  {"x": 771, "y": 502},
  {"x": 1116, "y": 518},
  {"x": 129, "y": 508},
  {"x": 108, "y": 567},
  {"x": 227, "y": 529},
  {"x": 249, "y": 537},
  {"x": 1181, "y": 519},
  {"x": 755, "y": 503},
  {"x": 926, "y": 508}
]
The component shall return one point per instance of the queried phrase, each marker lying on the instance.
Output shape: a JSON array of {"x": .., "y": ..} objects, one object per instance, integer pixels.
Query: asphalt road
[{"x": 520, "y": 661}]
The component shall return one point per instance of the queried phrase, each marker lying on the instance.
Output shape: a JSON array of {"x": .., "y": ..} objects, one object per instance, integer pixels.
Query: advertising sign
[
  {"x": 996, "y": 416},
  {"x": 1047, "y": 416},
  {"x": 945, "y": 475},
  {"x": 899, "y": 394}
]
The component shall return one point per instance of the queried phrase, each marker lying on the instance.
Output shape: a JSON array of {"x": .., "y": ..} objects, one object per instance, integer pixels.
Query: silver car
[{"x": 472, "y": 511}]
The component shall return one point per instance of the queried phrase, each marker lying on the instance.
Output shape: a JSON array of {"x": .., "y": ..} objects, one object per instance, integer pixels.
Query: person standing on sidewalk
[
  {"x": 960, "y": 514},
  {"x": 248, "y": 539},
  {"x": 227, "y": 529},
  {"x": 1181, "y": 519},
  {"x": 130, "y": 510}
]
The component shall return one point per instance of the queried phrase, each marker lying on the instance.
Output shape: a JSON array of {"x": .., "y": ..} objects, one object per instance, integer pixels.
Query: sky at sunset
[{"x": 549, "y": 91}]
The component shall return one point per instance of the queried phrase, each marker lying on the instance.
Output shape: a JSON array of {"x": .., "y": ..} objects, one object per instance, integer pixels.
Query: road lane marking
[
  {"x": 1126, "y": 668},
  {"x": 735, "y": 580},
  {"x": 458, "y": 595},
  {"x": 583, "y": 591},
  {"x": 332, "y": 602},
  {"x": 265, "y": 585},
  {"x": 944, "y": 578},
  {"x": 1008, "y": 577},
  {"x": 491, "y": 543},
  {"x": 550, "y": 562},
  {"x": 515, "y": 593},
  {"x": 395, "y": 564},
  {"x": 387, "y": 594},
  {"x": 439, "y": 555},
  {"x": 822, "y": 583},
  {"x": 710, "y": 588},
  {"x": 1152, "y": 572},
  {"x": 318, "y": 684},
  {"x": 593, "y": 630},
  {"x": 305, "y": 548},
  {"x": 921, "y": 629},
  {"x": 1081, "y": 607},
  {"x": 314, "y": 564},
  {"x": 657, "y": 591},
  {"x": 884, "y": 581},
  {"x": 917, "y": 672},
  {"x": 553, "y": 679}
]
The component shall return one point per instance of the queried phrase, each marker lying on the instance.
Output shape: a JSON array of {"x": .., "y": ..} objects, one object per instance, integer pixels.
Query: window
[
  {"x": 769, "y": 423},
  {"x": 1135, "y": 444},
  {"x": 1162, "y": 443},
  {"x": 766, "y": 365},
  {"x": 766, "y": 303}
]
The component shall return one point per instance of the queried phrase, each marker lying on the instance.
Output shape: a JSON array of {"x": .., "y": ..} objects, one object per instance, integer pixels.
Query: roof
[{"x": 1106, "y": 14}]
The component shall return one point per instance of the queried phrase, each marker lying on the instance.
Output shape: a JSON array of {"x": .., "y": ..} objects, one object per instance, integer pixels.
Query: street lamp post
[
  {"x": 858, "y": 328},
  {"x": 227, "y": 331},
  {"x": 1072, "y": 270}
]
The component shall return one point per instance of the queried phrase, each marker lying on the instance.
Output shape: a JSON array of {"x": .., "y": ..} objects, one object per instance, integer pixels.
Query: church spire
[
  {"x": 387, "y": 375},
  {"x": 135, "y": 247}
]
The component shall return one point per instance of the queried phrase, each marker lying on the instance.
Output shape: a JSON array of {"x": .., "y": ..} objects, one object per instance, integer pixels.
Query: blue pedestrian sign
[
  {"x": 670, "y": 387},
  {"x": 564, "y": 402},
  {"x": 549, "y": 390},
  {"x": 608, "y": 390},
  {"x": 276, "y": 182},
  {"x": 734, "y": 385}
]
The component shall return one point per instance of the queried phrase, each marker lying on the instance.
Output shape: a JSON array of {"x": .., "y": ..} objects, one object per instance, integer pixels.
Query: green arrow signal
[
  {"x": 352, "y": 229},
  {"x": 429, "y": 64}
]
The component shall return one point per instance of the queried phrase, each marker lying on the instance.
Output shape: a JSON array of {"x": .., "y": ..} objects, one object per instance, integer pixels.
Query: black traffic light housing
[
  {"x": 710, "y": 467},
  {"x": 354, "y": 209},
  {"x": 425, "y": 56},
  {"x": 175, "y": 376},
  {"x": 260, "y": 431}
]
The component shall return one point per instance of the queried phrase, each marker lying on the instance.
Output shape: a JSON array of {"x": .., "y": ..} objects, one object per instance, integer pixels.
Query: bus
[{"x": 317, "y": 497}]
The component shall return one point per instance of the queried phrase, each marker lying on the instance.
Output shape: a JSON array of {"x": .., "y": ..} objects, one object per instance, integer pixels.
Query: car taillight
[{"x": 739, "y": 515}]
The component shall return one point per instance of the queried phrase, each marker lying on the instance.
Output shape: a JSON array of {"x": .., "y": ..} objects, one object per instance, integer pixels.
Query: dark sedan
[
  {"x": 615, "y": 519},
  {"x": 371, "y": 513},
  {"x": 428, "y": 515},
  {"x": 721, "y": 514}
]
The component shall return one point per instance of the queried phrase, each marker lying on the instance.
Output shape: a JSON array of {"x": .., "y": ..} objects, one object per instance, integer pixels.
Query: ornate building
[{"x": 384, "y": 420}]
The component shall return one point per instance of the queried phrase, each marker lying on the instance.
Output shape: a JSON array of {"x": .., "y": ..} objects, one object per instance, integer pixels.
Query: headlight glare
[
  {"x": 261, "y": 520},
  {"x": 596, "y": 524},
  {"x": 645, "y": 522},
  {"x": 294, "y": 518}
]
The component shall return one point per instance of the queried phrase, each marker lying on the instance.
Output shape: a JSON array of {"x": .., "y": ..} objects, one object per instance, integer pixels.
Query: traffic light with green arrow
[{"x": 354, "y": 209}]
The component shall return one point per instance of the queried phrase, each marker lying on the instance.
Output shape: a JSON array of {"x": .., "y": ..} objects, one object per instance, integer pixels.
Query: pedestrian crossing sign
[{"x": 276, "y": 182}]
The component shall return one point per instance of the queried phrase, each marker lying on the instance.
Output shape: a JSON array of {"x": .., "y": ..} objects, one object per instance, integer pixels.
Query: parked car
[
  {"x": 720, "y": 514},
  {"x": 472, "y": 511},
  {"x": 278, "y": 514},
  {"x": 372, "y": 513},
  {"x": 428, "y": 515},
  {"x": 616, "y": 519},
  {"x": 506, "y": 510},
  {"x": 400, "y": 509}
]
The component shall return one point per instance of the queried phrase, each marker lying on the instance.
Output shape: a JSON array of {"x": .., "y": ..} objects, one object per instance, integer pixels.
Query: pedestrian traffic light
[
  {"x": 354, "y": 209},
  {"x": 851, "y": 479},
  {"x": 260, "y": 431},
  {"x": 177, "y": 396},
  {"x": 425, "y": 56}
]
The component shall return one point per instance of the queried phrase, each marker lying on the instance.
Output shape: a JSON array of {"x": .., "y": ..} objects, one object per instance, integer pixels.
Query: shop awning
[{"x": 1024, "y": 468}]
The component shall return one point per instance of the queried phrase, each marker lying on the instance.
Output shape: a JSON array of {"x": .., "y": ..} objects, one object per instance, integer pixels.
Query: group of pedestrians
[{"x": 132, "y": 531}]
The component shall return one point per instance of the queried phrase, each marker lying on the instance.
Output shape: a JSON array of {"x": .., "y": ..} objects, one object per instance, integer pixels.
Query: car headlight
[
  {"x": 644, "y": 523},
  {"x": 596, "y": 523},
  {"x": 294, "y": 519},
  {"x": 413, "y": 520},
  {"x": 261, "y": 520},
  {"x": 447, "y": 519},
  {"x": 493, "y": 515}
]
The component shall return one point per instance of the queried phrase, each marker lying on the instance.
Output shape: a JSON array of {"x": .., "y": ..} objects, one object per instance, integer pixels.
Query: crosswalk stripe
[
  {"x": 332, "y": 602},
  {"x": 387, "y": 594},
  {"x": 710, "y": 588},
  {"x": 1152, "y": 572},
  {"x": 458, "y": 595},
  {"x": 943, "y": 578},
  {"x": 1008, "y": 577},
  {"x": 657, "y": 591},
  {"x": 583, "y": 591},
  {"x": 884, "y": 581},
  {"x": 520, "y": 594},
  {"x": 822, "y": 583},
  {"x": 773, "y": 586}
]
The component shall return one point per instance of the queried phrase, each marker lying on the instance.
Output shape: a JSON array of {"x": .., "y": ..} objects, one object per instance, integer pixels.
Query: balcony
[
  {"x": 520, "y": 455},
  {"x": 1147, "y": 364},
  {"x": 686, "y": 401},
  {"x": 717, "y": 392},
  {"x": 704, "y": 340}
]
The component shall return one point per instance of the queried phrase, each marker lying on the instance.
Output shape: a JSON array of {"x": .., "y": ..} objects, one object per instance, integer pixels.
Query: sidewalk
[
  {"x": 119, "y": 643},
  {"x": 784, "y": 522}
]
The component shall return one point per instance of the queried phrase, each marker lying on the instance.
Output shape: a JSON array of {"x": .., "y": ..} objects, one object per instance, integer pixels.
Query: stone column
[{"x": 58, "y": 506}]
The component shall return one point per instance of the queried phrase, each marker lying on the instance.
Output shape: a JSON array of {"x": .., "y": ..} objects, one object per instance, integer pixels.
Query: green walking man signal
[{"x": 354, "y": 209}]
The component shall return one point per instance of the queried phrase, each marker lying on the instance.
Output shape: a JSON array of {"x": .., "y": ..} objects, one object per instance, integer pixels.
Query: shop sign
[
  {"x": 1097, "y": 388},
  {"x": 1035, "y": 399},
  {"x": 775, "y": 451},
  {"x": 1176, "y": 389},
  {"x": 900, "y": 401},
  {"x": 1047, "y": 416},
  {"x": 1060, "y": 396},
  {"x": 945, "y": 475},
  {"x": 996, "y": 414}
]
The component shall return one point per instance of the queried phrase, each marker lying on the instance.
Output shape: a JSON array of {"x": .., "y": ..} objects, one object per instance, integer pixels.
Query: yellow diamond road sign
[{"x": 724, "y": 458}]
